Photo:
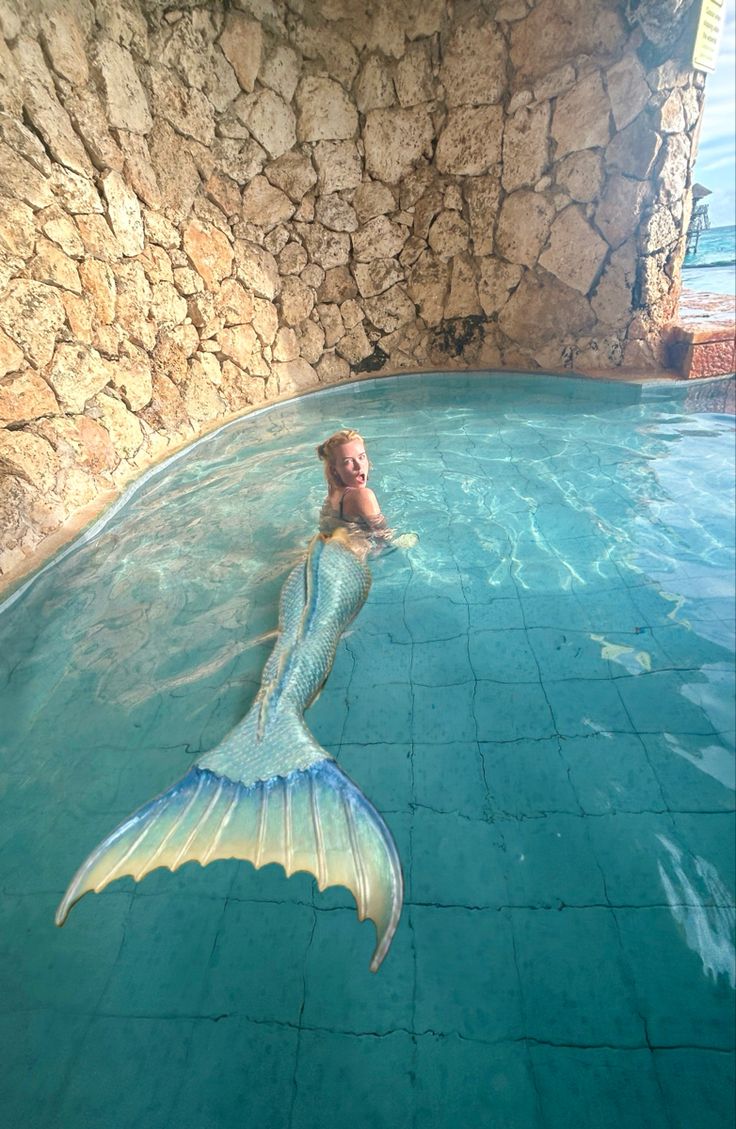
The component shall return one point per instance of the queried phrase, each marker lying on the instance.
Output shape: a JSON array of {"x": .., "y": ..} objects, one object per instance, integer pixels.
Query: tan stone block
[
  {"x": 125, "y": 98},
  {"x": 325, "y": 111},
  {"x": 448, "y": 235},
  {"x": 201, "y": 398},
  {"x": 311, "y": 338},
  {"x": 297, "y": 301},
  {"x": 378, "y": 239},
  {"x": 395, "y": 139},
  {"x": 613, "y": 296},
  {"x": 575, "y": 252},
  {"x": 292, "y": 259},
  {"x": 324, "y": 247},
  {"x": 428, "y": 287},
  {"x": 176, "y": 172},
  {"x": 335, "y": 213},
  {"x": 354, "y": 346},
  {"x": 581, "y": 175},
  {"x": 337, "y": 285},
  {"x": 24, "y": 396},
  {"x": 133, "y": 379},
  {"x": 413, "y": 76},
  {"x": 28, "y": 457},
  {"x": 51, "y": 265},
  {"x": 293, "y": 173},
  {"x": 331, "y": 368},
  {"x": 223, "y": 192},
  {"x": 672, "y": 114},
  {"x": 242, "y": 44},
  {"x": 634, "y": 150},
  {"x": 286, "y": 345},
  {"x": 79, "y": 317},
  {"x": 473, "y": 68},
  {"x": 294, "y": 376},
  {"x": 496, "y": 283},
  {"x": 257, "y": 269},
  {"x": 390, "y": 310},
  {"x": 122, "y": 426},
  {"x": 20, "y": 180},
  {"x": 270, "y": 121},
  {"x": 374, "y": 89},
  {"x": 280, "y": 71},
  {"x": 525, "y": 147},
  {"x": 265, "y": 205},
  {"x": 61, "y": 230},
  {"x": 628, "y": 89},
  {"x": 234, "y": 303},
  {"x": 265, "y": 320},
  {"x": 239, "y": 389},
  {"x": 462, "y": 300},
  {"x": 372, "y": 199},
  {"x": 619, "y": 213},
  {"x": 77, "y": 373},
  {"x": 539, "y": 306},
  {"x": 523, "y": 226},
  {"x": 581, "y": 117},
  {"x": 470, "y": 143},
  {"x": 133, "y": 303},
  {"x": 483, "y": 194},
  {"x": 331, "y": 321},
  {"x": 377, "y": 276},
  {"x": 558, "y": 31},
  {"x": 209, "y": 252},
  {"x": 11, "y": 357},
  {"x": 339, "y": 166},
  {"x": 124, "y": 213},
  {"x": 17, "y": 228},
  {"x": 98, "y": 281},
  {"x": 32, "y": 314},
  {"x": 238, "y": 344}
]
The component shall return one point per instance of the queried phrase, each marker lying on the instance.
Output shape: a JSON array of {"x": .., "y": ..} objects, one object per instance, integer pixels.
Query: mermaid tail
[{"x": 269, "y": 792}]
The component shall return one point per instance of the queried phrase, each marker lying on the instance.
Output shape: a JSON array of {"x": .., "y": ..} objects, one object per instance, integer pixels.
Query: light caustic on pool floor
[{"x": 538, "y": 698}]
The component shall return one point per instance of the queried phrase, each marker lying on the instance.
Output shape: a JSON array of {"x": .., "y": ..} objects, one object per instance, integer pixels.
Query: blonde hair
[{"x": 326, "y": 452}]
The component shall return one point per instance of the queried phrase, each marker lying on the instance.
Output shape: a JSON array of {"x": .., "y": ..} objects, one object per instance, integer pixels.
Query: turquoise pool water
[{"x": 539, "y": 698}]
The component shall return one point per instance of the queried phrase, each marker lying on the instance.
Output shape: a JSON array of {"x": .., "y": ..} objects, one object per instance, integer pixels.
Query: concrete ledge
[{"x": 703, "y": 341}]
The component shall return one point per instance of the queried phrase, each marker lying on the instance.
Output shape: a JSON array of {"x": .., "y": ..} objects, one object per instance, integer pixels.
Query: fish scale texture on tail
[{"x": 269, "y": 792}]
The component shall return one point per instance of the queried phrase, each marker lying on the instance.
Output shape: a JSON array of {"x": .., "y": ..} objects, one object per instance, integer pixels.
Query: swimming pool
[{"x": 538, "y": 698}]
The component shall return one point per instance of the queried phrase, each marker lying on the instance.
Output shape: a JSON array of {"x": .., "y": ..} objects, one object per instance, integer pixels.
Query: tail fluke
[{"x": 314, "y": 819}]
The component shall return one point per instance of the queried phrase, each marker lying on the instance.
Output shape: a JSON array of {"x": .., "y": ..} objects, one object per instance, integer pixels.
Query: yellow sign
[{"x": 710, "y": 24}]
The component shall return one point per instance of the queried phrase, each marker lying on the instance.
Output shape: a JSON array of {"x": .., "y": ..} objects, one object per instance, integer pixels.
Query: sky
[{"x": 716, "y": 163}]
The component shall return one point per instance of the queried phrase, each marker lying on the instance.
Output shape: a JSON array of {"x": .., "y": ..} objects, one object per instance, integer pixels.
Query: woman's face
[{"x": 351, "y": 463}]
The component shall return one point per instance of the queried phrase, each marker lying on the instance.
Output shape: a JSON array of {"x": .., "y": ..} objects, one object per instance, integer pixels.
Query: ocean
[{"x": 713, "y": 268}]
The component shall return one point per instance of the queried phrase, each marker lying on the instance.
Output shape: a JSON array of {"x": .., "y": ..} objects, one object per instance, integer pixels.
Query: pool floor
[{"x": 538, "y": 699}]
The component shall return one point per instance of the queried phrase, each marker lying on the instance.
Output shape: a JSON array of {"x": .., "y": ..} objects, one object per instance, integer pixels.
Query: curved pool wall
[{"x": 539, "y": 700}]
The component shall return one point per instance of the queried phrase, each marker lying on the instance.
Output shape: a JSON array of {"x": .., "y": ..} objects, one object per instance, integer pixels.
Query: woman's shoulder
[{"x": 362, "y": 501}]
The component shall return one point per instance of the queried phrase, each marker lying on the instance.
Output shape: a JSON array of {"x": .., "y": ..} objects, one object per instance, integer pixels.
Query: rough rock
[
  {"x": 19, "y": 179},
  {"x": 280, "y": 71},
  {"x": 462, "y": 300},
  {"x": 575, "y": 253},
  {"x": 618, "y": 214},
  {"x": 394, "y": 140},
  {"x": 634, "y": 150},
  {"x": 523, "y": 226},
  {"x": 473, "y": 69},
  {"x": 133, "y": 380},
  {"x": 378, "y": 239},
  {"x": 581, "y": 117},
  {"x": 612, "y": 299},
  {"x": 496, "y": 283},
  {"x": 294, "y": 376},
  {"x": 296, "y": 300},
  {"x": 271, "y": 122},
  {"x": 123, "y": 427},
  {"x": 448, "y": 235},
  {"x": 17, "y": 229},
  {"x": 470, "y": 143},
  {"x": 325, "y": 111},
  {"x": 483, "y": 194},
  {"x": 428, "y": 287},
  {"x": 99, "y": 284},
  {"x": 265, "y": 205},
  {"x": 331, "y": 321},
  {"x": 334, "y": 212},
  {"x": 557, "y": 31},
  {"x": 539, "y": 306},
  {"x": 628, "y": 90},
  {"x": 61, "y": 230},
  {"x": 138, "y": 170},
  {"x": 293, "y": 173},
  {"x": 311, "y": 338},
  {"x": 581, "y": 175},
  {"x": 326, "y": 248},
  {"x": 292, "y": 259},
  {"x": 50, "y": 264},
  {"x": 28, "y": 457},
  {"x": 286, "y": 345},
  {"x": 673, "y": 169},
  {"x": 201, "y": 398},
  {"x": 413, "y": 77},
  {"x": 11, "y": 356},
  {"x": 234, "y": 303},
  {"x": 377, "y": 276},
  {"x": 257, "y": 269},
  {"x": 240, "y": 160},
  {"x": 63, "y": 39},
  {"x": 76, "y": 374},
  {"x": 124, "y": 213},
  {"x": 187, "y": 110},
  {"x": 238, "y": 344},
  {"x": 337, "y": 285},
  {"x": 265, "y": 320},
  {"x": 32, "y": 314},
  {"x": 372, "y": 199},
  {"x": 209, "y": 252},
  {"x": 390, "y": 310},
  {"x": 354, "y": 346},
  {"x": 374, "y": 89},
  {"x": 672, "y": 114},
  {"x": 332, "y": 368},
  {"x": 125, "y": 99},
  {"x": 166, "y": 412},
  {"x": 133, "y": 304},
  {"x": 525, "y": 147},
  {"x": 25, "y": 396},
  {"x": 339, "y": 165},
  {"x": 242, "y": 42}
]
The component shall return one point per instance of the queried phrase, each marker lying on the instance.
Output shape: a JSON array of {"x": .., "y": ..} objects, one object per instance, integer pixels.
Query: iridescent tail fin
[{"x": 314, "y": 819}]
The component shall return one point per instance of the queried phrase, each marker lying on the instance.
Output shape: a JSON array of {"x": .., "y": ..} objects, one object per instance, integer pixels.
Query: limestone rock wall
[{"x": 208, "y": 206}]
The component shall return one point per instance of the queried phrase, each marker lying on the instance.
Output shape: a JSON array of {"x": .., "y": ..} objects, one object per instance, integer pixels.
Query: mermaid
[{"x": 269, "y": 792}]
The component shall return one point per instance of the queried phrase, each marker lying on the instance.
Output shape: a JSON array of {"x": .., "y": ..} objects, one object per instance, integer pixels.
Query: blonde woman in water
[{"x": 350, "y": 502}]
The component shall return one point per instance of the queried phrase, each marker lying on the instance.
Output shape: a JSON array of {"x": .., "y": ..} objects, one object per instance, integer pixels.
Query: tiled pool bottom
[{"x": 539, "y": 700}]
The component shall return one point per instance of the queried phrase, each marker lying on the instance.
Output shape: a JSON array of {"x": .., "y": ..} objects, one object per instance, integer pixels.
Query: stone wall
[{"x": 206, "y": 207}]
